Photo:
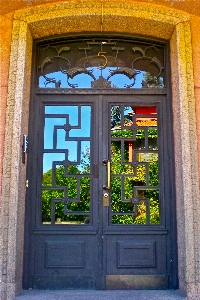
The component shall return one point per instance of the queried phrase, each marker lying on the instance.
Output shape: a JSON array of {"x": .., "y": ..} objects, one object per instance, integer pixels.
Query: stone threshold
[{"x": 100, "y": 295}]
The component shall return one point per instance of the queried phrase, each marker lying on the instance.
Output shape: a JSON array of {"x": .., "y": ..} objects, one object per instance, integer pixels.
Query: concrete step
[{"x": 100, "y": 295}]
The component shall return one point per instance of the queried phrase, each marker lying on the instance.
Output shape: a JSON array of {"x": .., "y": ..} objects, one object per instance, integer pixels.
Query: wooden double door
[{"x": 100, "y": 210}]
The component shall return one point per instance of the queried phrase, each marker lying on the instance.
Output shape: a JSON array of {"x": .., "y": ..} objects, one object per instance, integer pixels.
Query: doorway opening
[{"x": 99, "y": 212}]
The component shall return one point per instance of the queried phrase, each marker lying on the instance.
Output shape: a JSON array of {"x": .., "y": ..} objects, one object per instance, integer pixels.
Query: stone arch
[{"x": 116, "y": 17}]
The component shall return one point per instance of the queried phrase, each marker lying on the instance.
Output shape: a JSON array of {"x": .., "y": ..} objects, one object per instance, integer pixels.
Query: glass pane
[
  {"x": 154, "y": 206},
  {"x": 141, "y": 214},
  {"x": 134, "y": 167},
  {"x": 123, "y": 219},
  {"x": 84, "y": 202},
  {"x": 48, "y": 199},
  {"x": 70, "y": 110},
  {"x": 116, "y": 197},
  {"x": 153, "y": 138},
  {"x": 66, "y": 165},
  {"x": 100, "y": 63}
]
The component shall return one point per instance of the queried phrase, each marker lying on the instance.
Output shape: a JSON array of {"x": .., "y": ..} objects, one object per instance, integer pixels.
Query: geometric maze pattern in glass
[
  {"x": 134, "y": 165},
  {"x": 66, "y": 165}
]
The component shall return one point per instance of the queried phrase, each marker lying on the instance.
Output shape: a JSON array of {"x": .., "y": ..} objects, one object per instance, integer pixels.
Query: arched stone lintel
[{"x": 126, "y": 17}]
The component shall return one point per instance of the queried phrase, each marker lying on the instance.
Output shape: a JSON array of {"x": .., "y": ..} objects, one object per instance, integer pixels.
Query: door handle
[
  {"x": 106, "y": 188},
  {"x": 106, "y": 162}
]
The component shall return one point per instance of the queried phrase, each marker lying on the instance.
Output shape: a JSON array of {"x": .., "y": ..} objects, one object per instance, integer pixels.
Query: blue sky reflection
[
  {"x": 85, "y": 81},
  {"x": 83, "y": 131}
]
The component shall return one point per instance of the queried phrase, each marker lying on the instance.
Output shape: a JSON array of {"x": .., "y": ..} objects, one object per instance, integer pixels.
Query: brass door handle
[
  {"x": 106, "y": 162},
  {"x": 106, "y": 188}
]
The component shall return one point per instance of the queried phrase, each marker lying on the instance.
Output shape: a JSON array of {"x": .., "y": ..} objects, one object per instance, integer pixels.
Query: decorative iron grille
[
  {"x": 66, "y": 164},
  {"x": 134, "y": 165},
  {"x": 101, "y": 64}
]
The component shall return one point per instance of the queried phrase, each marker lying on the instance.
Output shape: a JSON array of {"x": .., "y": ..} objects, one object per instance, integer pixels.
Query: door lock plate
[{"x": 105, "y": 199}]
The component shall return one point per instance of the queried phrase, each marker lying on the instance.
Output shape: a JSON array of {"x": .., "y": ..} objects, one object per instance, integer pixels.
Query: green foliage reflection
[{"x": 123, "y": 174}]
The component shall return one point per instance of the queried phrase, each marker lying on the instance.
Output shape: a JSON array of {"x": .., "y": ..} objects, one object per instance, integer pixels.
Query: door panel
[
  {"x": 65, "y": 261},
  {"x": 98, "y": 197},
  {"x": 134, "y": 232}
]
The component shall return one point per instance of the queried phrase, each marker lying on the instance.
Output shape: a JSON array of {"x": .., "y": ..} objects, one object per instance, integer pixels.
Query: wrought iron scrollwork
[
  {"x": 107, "y": 57},
  {"x": 152, "y": 80},
  {"x": 130, "y": 73}
]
